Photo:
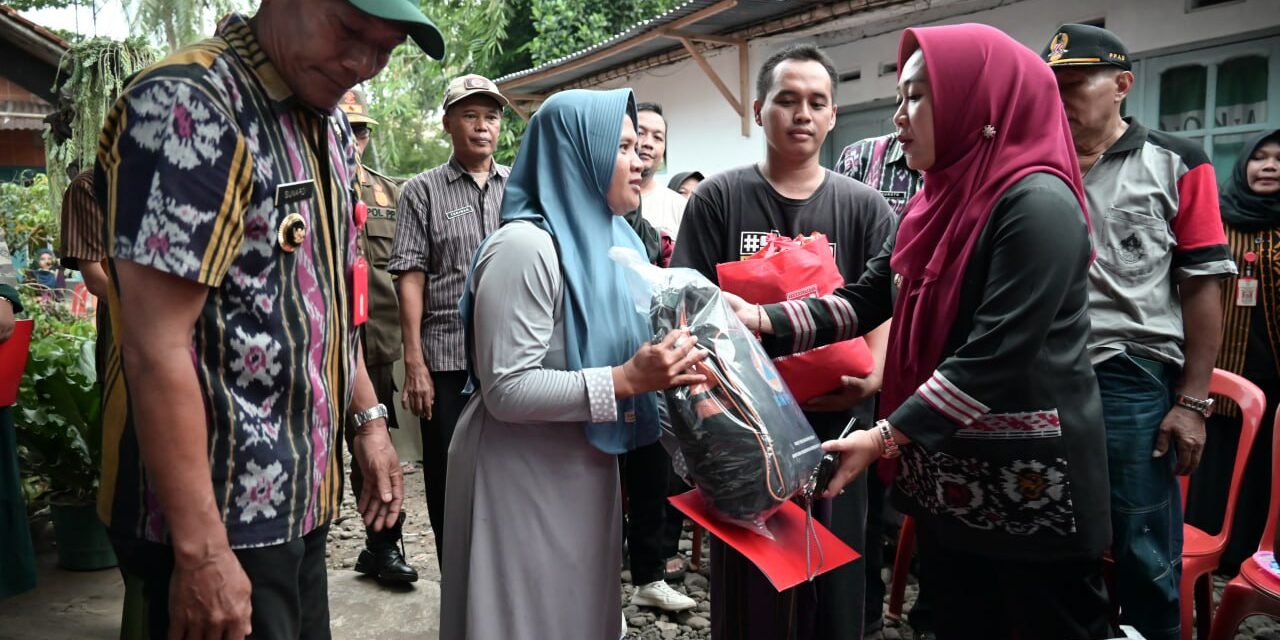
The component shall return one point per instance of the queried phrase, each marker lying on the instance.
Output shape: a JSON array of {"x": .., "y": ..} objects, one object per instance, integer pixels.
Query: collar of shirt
[
  {"x": 893, "y": 153},
  {"x": 1131, "y": 140},
  {"x": 239, "y": 33},
  {"x": 455, "y": 170}
]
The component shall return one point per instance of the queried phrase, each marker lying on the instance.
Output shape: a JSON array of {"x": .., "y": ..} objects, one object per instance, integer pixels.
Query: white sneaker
[{"x": 660, "y": 594}]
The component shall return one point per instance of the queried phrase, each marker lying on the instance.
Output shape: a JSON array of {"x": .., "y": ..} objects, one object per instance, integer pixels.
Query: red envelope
[
  {"x": 782, "y": 559},
  {"x": 13, "y": 361}
]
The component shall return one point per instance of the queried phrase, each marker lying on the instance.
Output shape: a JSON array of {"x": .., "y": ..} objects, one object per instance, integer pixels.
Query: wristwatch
[
  {"x": 1202, "y": 407},
  {"x": 369, "y": 415}
]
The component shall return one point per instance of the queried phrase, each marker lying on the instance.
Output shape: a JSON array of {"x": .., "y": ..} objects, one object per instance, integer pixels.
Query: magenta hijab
[{"x": 997, "y": 118}]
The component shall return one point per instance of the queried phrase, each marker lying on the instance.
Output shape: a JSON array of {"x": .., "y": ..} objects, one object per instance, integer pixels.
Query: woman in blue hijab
[{"x": 563, "y": 369}]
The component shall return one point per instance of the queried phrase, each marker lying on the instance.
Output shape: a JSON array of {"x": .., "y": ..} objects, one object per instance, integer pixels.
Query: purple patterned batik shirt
[
  {"x": 205, "y": 166},
  {"x": 878, "y": 163}
]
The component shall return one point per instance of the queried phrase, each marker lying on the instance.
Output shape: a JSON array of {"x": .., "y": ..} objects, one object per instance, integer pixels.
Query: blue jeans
[{"x": 1146, "y": 510}]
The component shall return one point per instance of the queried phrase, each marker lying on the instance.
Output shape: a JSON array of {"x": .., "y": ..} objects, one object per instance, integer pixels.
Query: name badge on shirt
[
  {"x": 1247, "y": 292},
  {"x": 292, "y": 192},
  {"x": 458, "y": 213},
  {"x": 892, "y": 195}
]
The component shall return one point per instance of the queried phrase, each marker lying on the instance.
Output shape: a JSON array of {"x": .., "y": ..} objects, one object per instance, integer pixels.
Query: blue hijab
[{"x": 559, "y": 182}]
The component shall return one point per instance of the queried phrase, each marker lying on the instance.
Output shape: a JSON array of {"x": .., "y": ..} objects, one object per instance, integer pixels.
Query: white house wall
[{"x": 705, "y": 132}]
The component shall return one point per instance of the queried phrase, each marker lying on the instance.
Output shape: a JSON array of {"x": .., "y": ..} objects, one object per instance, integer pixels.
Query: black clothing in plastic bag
[{"x": 746, "y": 444}]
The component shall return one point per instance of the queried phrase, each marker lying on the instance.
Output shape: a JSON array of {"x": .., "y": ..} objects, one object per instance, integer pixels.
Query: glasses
[{"x": 361, "y": 131}]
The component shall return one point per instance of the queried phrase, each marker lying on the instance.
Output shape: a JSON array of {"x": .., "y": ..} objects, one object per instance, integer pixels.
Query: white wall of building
[{"x": 705, "y": 132}]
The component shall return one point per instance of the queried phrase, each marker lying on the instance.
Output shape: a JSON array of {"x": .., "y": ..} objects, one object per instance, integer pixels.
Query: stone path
[{"x": 86, "y": 606}]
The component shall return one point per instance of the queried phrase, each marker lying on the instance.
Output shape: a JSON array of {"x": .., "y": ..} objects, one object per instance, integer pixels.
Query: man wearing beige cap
[
  {"x": 443, "y": 215},
  {"x": 383, "y": 556}
]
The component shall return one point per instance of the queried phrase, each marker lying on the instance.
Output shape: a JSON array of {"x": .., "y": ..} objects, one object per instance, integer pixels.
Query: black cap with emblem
[{"x": 1079, "y": 45}]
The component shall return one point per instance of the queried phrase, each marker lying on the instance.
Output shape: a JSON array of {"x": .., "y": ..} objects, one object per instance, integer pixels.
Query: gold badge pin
[
  {"x": 293, "y": 231},
  {"x": 380, "y": 195}
]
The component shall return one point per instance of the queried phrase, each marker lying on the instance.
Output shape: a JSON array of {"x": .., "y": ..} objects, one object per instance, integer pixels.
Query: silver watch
[
  {"x": 369, "y": 415},
  {"x": 1202, "y": 407}
]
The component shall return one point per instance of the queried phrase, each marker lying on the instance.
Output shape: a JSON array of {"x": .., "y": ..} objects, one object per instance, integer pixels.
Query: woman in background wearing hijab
[
  {"x": 1250, "y": 203},
  {"x": 563, "y": 369},
  {"x": 685, "y": 182},
  {"x": 990, "y": 397}
]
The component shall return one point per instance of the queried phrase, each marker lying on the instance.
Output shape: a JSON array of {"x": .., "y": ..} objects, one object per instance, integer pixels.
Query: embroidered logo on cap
[{"x": 1058, "y": 46}]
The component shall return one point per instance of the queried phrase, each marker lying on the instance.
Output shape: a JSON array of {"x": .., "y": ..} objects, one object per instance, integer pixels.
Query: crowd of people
[{"x": 1045, "y": 286}]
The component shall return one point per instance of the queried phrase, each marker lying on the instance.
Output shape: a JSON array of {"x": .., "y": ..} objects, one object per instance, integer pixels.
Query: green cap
[
  {"x": 421, "y": 28},
  {"x": 1083, "y": 45}
]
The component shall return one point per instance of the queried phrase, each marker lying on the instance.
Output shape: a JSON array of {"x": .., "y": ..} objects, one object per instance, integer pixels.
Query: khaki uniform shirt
[{"x": 383, "y": 346}]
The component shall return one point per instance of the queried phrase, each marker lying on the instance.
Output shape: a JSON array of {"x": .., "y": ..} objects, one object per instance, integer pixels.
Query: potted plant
[{"x": 59, "y": 426}]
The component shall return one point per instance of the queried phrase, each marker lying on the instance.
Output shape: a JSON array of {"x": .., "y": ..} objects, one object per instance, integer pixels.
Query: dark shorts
[{"x": 290, "y": 586}]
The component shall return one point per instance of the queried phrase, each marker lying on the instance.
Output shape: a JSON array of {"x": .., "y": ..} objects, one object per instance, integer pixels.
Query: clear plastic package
[{"x": 743, "y": 440}]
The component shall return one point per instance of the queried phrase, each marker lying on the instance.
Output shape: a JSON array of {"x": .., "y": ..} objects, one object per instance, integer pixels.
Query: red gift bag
[
  {"x": 791, "y": 269},
  {"x": 13, "y": 361}
]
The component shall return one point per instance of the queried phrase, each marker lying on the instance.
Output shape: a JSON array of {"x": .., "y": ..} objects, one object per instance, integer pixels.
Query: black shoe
[{"x": 383, "y": 556}]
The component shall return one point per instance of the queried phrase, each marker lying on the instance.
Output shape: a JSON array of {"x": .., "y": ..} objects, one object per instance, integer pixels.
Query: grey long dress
[{"x": 532, "y": 511}]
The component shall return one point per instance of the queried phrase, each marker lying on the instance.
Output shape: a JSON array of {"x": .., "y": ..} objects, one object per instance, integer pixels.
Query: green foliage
[
  {"x": 29, "y": 222},
  {"x": 177, "y": 23},
  {"x": 491, "y": 38},
  {"x": 32, "y": 5},
  {"x": 59, "y": 411},
  {"x": 406, "y": 97},
  {"x": 95, "y": 71},
  {"x": 568, "y": 26}
]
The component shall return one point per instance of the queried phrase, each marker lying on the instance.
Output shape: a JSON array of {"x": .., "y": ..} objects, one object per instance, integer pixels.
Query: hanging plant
[{"x": 92, "y": 73}]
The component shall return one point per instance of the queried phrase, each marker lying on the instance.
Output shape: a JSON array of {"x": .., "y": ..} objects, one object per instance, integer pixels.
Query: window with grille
[{"x": 1218, "y": 96}]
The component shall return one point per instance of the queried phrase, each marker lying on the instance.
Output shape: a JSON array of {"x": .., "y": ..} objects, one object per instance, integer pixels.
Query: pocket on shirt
[
  {"x": 1131, "y": 244},
  {"x": 382, "y": 233}
]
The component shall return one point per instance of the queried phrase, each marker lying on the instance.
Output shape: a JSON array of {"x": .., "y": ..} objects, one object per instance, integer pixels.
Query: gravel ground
[{"x": 346, "y": 539}]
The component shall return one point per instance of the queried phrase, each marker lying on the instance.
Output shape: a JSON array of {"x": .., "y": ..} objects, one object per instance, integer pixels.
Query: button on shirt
[
  {"x": 442, "y": 217},
  {"x": 190, "y": 168},
  {"x": 880, "y": 164},
  {"x": 1153, "y": 204}
]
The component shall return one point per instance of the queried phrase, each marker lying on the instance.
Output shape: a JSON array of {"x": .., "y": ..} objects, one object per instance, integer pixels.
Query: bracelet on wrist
[{"x": 888, "y": 446}]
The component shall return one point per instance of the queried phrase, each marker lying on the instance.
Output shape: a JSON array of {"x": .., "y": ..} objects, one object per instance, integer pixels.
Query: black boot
[{"x": 383, "y": 556}]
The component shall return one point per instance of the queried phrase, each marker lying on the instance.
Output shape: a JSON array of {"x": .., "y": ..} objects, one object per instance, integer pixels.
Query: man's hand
[
  {"x": 1186, "y": 428},
  {"x": 852, "y": 392},
  {"x": 209, "y": 597},
  {"x": 6, "y": 319},
  {"x": 419, "y": 392},
  {"x": 383, "y": 489}
]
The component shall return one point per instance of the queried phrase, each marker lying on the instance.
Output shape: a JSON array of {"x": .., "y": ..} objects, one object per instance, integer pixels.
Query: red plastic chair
[
  {"x": 901, "y": 564},
  {"x": 83, "y": 303},
  {"x": 1255, "y": 590},
  {"x": 1201, "y": 552}
]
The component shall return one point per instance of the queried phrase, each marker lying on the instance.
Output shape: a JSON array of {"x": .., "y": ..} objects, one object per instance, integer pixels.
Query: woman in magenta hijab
[{"x": 989, "y": 396}]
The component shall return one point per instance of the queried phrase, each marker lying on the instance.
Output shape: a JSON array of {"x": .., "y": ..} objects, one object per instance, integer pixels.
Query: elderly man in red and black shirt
[{"x": 1155, "y": 306}]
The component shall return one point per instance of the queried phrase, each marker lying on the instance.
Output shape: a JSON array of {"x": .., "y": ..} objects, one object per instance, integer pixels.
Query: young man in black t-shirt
[{"x": 727, "y": 219}]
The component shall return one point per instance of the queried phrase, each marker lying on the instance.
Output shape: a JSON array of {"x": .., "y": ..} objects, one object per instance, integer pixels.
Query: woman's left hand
[{"x": 857, "y": 451}]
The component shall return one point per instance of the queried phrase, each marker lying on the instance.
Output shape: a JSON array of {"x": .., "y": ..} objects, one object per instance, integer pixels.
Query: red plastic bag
[{"x": 791, "y": 269}]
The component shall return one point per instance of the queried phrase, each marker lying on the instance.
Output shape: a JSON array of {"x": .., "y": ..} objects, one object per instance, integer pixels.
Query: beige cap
[
  {"x": 356, "y": 107},
  {"x": 470, "y": 85}
]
